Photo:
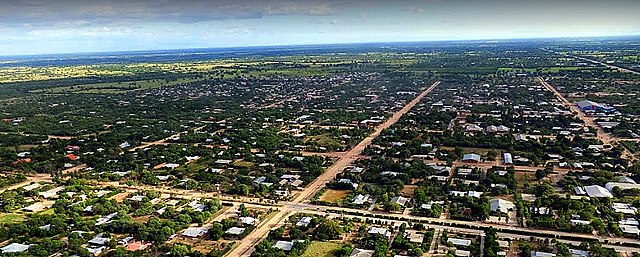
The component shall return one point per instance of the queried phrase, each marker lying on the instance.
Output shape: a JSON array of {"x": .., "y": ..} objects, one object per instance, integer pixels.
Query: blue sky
[{"x": 64, "y": 26}]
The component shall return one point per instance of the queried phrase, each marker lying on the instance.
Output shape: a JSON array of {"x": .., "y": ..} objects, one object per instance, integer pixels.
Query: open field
[
  {"x": 321, "y": 249},
  {"x": 114, "y": 87},
  {"x": 333, "y": 195},
  {"x": 10, "y": 218}
]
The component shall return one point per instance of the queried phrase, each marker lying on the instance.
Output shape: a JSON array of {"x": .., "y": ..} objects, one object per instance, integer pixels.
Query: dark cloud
[{"x": 93, "y": 12}]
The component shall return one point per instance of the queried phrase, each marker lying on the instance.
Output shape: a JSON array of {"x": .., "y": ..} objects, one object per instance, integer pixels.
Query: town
[{"x": 468, "y": 149}]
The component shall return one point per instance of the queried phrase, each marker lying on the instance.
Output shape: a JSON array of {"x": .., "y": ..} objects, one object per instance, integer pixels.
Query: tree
[
  {"x": 328, "y": 230},
  {"x": 216, "y": 231}
]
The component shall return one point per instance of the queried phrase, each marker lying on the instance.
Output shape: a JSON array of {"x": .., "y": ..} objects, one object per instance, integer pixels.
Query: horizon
[
  {"x": 381, "y": 43},
  {"x": 37, "y": 27}
]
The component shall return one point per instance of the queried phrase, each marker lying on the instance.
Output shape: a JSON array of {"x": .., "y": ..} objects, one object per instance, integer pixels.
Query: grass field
[
  {"x": 334, "y": 196},
  {"x": 114, "y": 87},
  {"x": 321, "y": 249},
  {"x": 10, "y": 218}
]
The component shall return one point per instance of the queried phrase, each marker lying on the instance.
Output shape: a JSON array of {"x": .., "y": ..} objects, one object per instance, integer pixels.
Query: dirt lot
[
  {"x": 333, "y": 196},
  {"x": 407, "y": 190}
]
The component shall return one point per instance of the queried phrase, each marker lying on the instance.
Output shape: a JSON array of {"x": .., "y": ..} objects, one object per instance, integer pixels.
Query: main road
[
  {"x": 602, "y": 135},
  {"x": 246, "y": 246},
  {"x": 349, "y": 157}
]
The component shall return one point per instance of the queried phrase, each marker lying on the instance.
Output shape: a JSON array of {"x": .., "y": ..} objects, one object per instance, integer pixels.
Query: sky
[{"x": 71, "y": 26}]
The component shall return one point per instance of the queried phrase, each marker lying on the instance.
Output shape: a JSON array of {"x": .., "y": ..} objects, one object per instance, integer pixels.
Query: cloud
[{"x": 101, "y": 12}]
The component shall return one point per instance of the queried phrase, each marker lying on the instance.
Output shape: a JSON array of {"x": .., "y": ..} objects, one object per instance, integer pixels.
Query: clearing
[
  {"x": 321, "y": 249},
  {"x": 334, "y": 196}
]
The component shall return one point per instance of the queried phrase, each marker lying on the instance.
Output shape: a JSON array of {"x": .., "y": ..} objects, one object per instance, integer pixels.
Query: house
[
  {"x": 624, "y": 208},
  {"x": 399, "y": 200},
  {"x": 623, "y": 186},
  {"x": 356, "y": 170},
  {"x": 459, "y": 242},
  {"x": 125, "y": 241},
  {"x": 597, "y": 191},
  {"x": 462, "y": 253},
  {"x": 380, "y": 231},
  {"x": 235, "y": 231},
  {"x": 361, "y": 199},
  {"x": 414, "y": 236},
  {"x": 361, "y": 253},
  {"x": 471, "y": 158},
  {"x": 464, "y": 171},
  {"x": 305, "y": 221},
  {"x": 38, "y": 207},
  {"x": 502, "y": 206},
  {"x": 578, "y": 253},
  {"x": 15, "y": 248},
  {"x": 285, "y": 245},
  {"x": 507, "y": 159},
  {"x": 51, "y": 193},
  {"x": 348, "y": 181},
  {"x": 95, "y": 250},
  {"x": 628, "y": 229},
  {"x": 194, "y": 232},
  {"x": 249, "y": 221},
  {"x": 99, "y": 240},
  {"x": 541, "y": 254},
  {"x": 579, "y": 222}
]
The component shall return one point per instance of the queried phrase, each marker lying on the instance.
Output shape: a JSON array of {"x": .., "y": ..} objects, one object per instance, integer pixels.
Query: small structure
[
  {"x": 305, "y": 221},
  {"x": 249, "y": 221},
  {"x": 361, "y": 253},
  {"x": 235, "y": 231},
  {"x": 399, "y": 200}
]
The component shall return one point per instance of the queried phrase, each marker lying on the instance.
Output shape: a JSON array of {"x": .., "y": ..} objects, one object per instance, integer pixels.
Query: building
[
  {"x": 459, "y": 242},
  {"x": 194, "y": 232},
  {"x": 414, "y": 236},
  {"x": 285, "y": 245},
  {"x": 624, "y": 208},
  {"x": 471, "y": 158},
  {"x": 305, "y": 221},
  {"x": 542, "y": 254},
  {"x": 249, "y": 221},
  {"x": 597, "y": 191},
  {"x": 502, "y": 206},
  {"x": 15, "y": 248},
  {"x": 361, "y": 253},
  {"x": 235, "y": 231},
  {"x": 507, "y": 159},
  {"x": 623, "y": 186},
  {"x": 399, "y": 200},
  {"x": 380, "y": 231},
  {"x": 361, "y": 199},
  {"x": 587, "y": 105}
]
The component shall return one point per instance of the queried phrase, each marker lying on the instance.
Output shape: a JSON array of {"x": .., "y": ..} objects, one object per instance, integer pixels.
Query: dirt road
[
  {"x": 602, "y": 135},
  {"x": 348, "y": 158},
  {"x": 245, "y": 247}
]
